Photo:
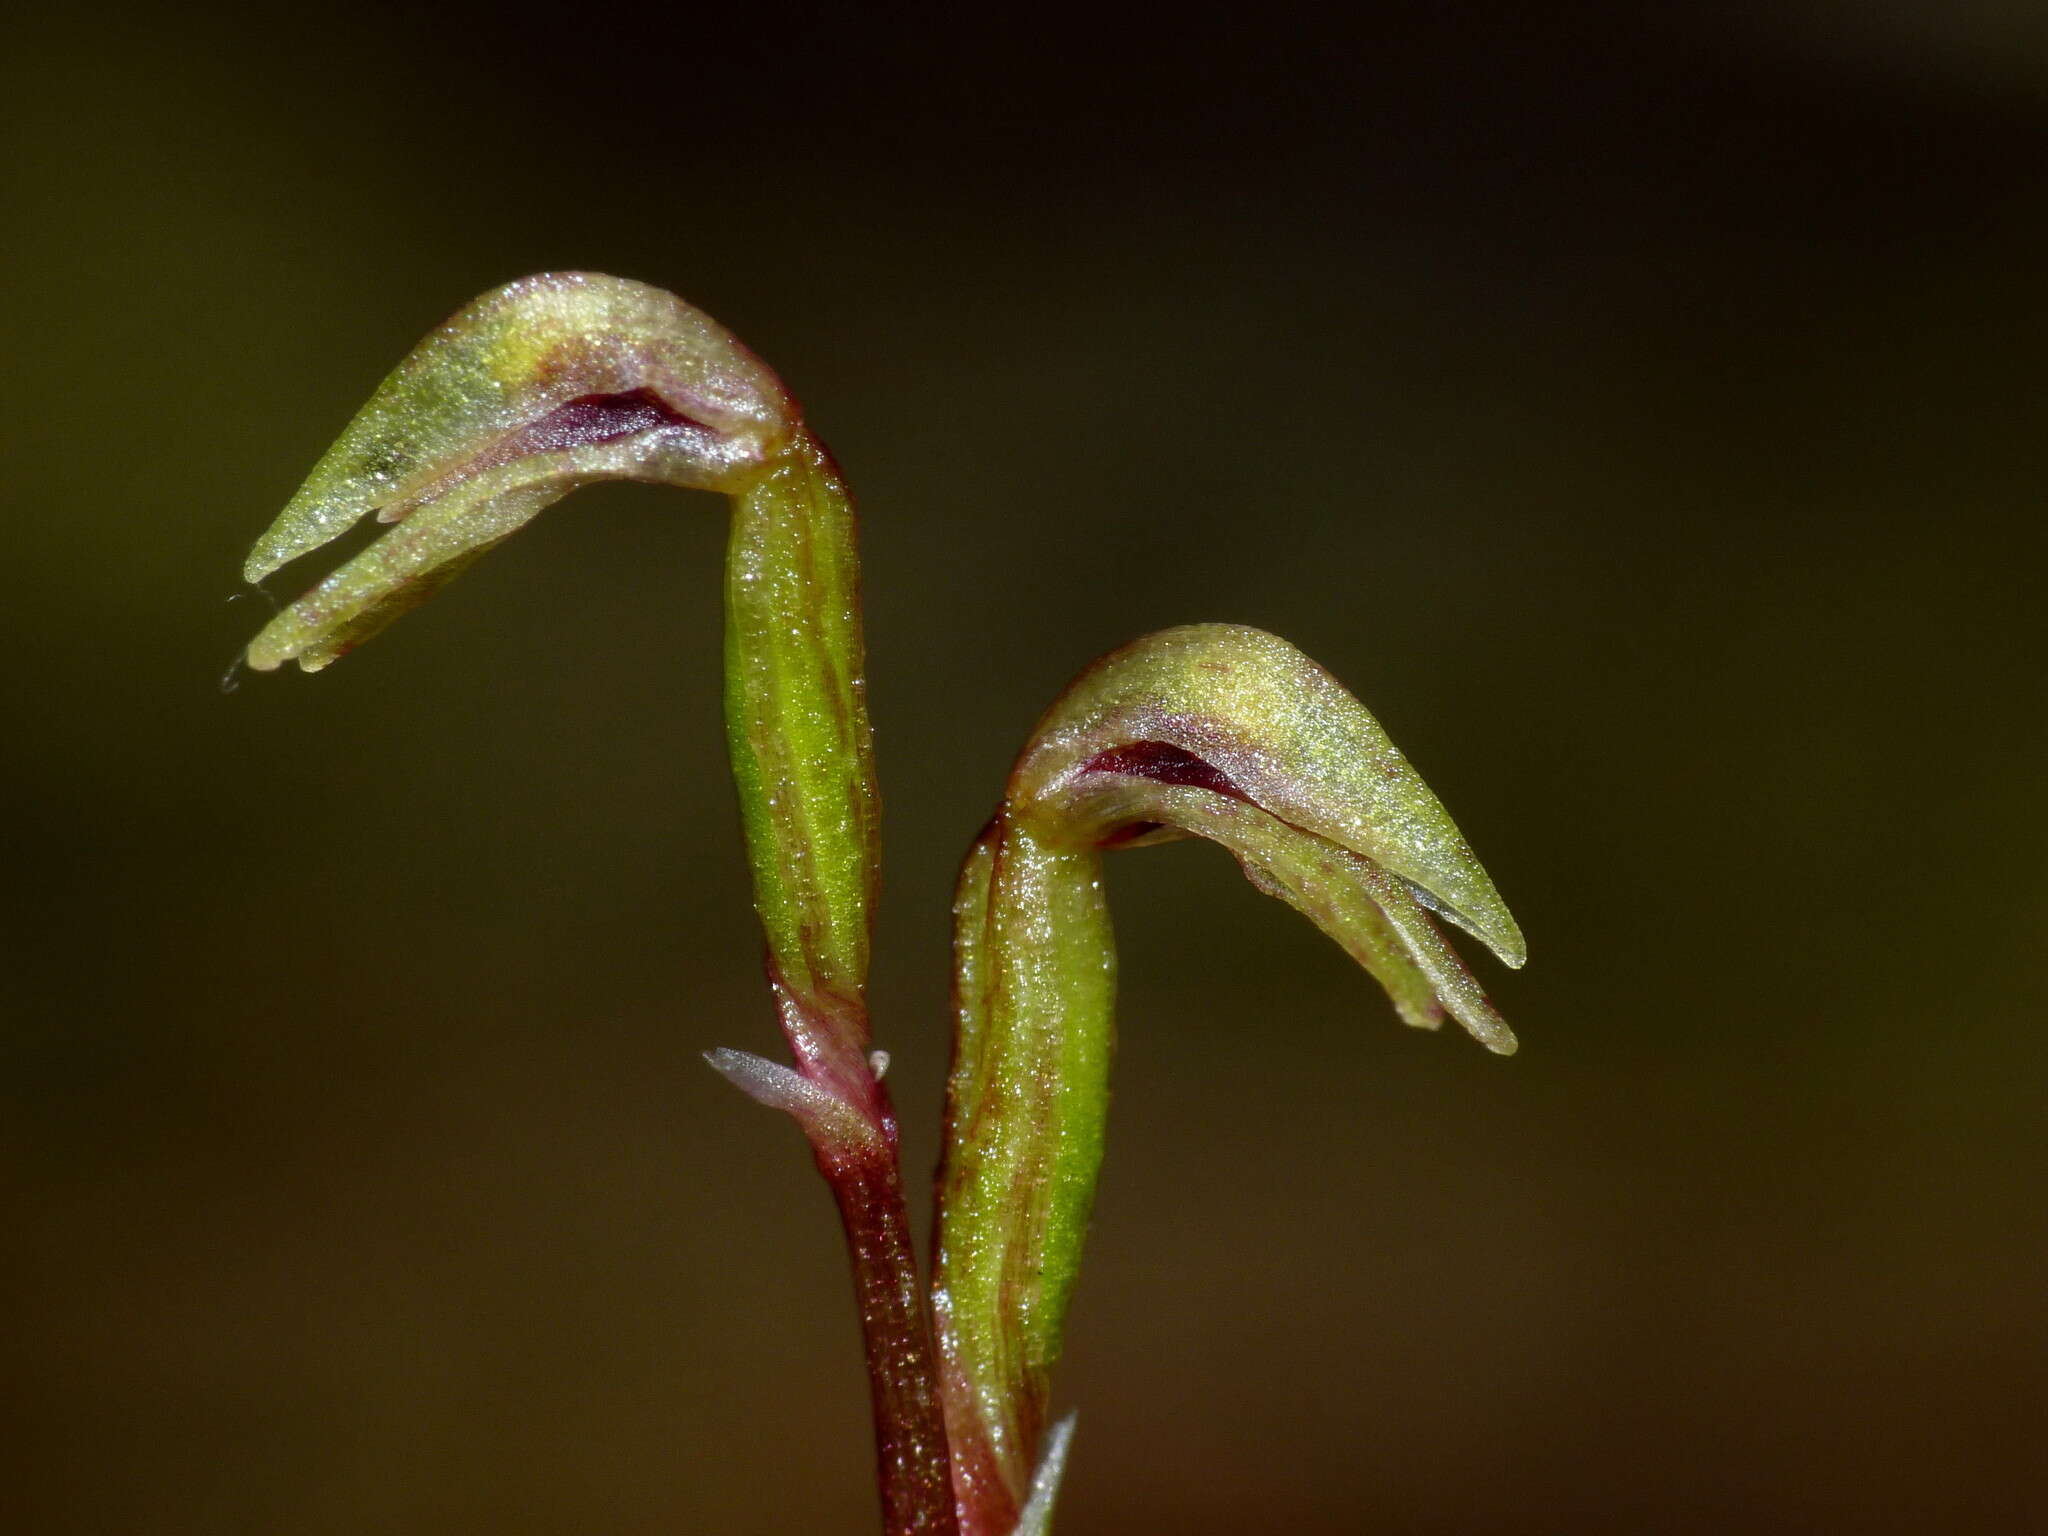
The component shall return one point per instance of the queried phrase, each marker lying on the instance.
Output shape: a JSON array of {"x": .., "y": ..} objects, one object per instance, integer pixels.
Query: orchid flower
[{"x": 1210, "y": 730}]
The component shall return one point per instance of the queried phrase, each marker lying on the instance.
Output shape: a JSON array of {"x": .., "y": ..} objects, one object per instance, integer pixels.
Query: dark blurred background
[{"x": 1642, "y": 413}]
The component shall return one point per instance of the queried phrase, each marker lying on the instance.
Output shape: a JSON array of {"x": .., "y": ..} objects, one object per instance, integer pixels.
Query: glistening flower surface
[
  {"x": 1210, "y": 730},
  {"x": 565, "y": 379},
  {"x": 538, "y": 387}
]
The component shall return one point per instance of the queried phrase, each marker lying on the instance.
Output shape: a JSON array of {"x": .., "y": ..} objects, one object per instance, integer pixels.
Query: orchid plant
[{"x": 1211, "y": 730}]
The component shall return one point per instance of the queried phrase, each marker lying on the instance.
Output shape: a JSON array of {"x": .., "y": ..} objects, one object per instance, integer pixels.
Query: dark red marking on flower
[
  {"x": 1164, "y": 764},
  {"x": 586, "y": 421},
  {"x": 1130, "y": 832}
]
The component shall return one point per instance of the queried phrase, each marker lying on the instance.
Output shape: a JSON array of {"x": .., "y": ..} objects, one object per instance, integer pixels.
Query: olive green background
[{"x": 1643, "y": 417}]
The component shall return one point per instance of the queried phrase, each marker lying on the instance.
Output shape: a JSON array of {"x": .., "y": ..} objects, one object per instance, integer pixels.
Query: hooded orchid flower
[{"x": 1210, "y": 730}]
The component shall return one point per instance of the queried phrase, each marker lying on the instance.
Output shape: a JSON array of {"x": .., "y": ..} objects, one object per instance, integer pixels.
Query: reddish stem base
[{"x": 911, "y": 1461}]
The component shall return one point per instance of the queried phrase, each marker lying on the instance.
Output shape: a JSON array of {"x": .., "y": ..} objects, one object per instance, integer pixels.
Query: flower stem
[
  {"x": 846, "y": 1114},
  {"x": 911, "y": 1464}
]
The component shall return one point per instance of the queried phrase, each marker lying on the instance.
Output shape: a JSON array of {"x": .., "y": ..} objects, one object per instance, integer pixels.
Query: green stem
[
  {"x": 803, "y": 754},
  {"x": 913, "y": 1469},
  {"x": 1029, "y": 1089},
  {"x": 803, "y": 761}
]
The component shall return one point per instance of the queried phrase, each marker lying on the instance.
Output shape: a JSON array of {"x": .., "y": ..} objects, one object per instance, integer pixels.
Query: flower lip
[
  {"x": 1164, "y": 763},
  {"x": 1161, "y": 762},
  {"x": 587, "y": 420}
]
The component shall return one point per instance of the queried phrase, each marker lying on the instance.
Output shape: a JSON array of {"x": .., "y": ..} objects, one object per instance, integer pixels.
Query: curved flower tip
[
  {"x": 1230, "y": 733},
  {"x": 539, "y": 387}
]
